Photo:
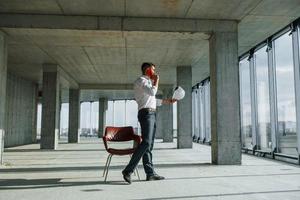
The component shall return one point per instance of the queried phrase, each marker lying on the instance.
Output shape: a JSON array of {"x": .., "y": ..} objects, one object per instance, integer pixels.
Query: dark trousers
[{"x": 147, "y": 121}]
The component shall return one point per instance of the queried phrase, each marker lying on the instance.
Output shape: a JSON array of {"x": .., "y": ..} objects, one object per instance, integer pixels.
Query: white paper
[{"x": 179, "y": 93}]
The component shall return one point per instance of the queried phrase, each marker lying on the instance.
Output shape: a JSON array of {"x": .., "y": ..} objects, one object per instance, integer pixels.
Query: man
[{"x": 145, "y": 89}]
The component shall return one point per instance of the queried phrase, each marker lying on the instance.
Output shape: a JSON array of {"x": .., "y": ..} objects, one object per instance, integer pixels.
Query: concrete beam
[
  {"x": 3, "y": 77},
  {"x": 116, "y": 23},
  {"x": 225, "y": 104},
  {"x": 65, "y": 77}
]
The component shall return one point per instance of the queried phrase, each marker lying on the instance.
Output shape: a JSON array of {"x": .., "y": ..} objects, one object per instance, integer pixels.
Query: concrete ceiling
[{"x": 103, "y": 57}]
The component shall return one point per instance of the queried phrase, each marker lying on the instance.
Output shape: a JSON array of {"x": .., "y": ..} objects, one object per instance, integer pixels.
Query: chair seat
[{"x": 121, "y": 152}]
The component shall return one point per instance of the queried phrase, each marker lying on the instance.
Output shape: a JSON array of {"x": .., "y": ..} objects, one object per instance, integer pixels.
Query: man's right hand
[{"x": 155, "y": 79}]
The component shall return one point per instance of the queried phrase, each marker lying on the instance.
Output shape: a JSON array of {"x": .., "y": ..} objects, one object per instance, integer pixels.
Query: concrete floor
[{"x": 74, "y": 171}]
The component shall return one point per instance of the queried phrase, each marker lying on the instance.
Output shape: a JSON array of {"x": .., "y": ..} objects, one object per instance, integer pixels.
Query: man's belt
[{"x": 147, "y": 110}]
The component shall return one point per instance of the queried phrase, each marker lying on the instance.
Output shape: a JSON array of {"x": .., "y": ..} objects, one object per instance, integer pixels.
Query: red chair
[{"x": 119, "y": 134}]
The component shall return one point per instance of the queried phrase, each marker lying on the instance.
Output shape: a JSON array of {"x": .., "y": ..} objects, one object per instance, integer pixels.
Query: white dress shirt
[{"x": 144, "y": 92}]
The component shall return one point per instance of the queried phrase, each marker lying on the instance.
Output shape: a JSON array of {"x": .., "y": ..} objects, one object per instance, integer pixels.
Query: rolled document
[{"x": 178, "y": 93}]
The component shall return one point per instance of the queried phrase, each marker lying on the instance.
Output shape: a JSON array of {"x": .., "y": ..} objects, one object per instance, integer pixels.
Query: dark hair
[{"x": 145, "y": 65}]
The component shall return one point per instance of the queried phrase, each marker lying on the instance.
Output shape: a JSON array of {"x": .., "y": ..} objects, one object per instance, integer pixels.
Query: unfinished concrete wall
[{"x": 20, "y": 113}]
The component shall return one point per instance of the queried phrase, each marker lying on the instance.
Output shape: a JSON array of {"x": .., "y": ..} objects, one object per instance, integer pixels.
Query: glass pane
[
  {"x": 202, "y": 114},
  {"x": 207, "y": 112},
  {"x": 39, "y": 121},
  {"x": 175, "y": 119},
  {"x": 197, "y": 115},
  {"x": 95, "y": 117},
  {"x": 109, "y": 114},
  {"x": 193, "y": 114},
  {"x": 131, "y": 114},
  {"x": 287, "y": 140},
  {"x": 64, "y": 119},
  {"x": 263, "y": 103},
  {"x": 119, "y": 113},
  {"x": 85, "y": 118},
  {"x": 246, "y": 124}
]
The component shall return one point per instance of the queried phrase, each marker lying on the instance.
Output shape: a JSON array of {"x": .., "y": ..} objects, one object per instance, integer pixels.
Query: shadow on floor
[
  {"x": 12, "y": 184},
  {"x": 66, "y": 150},
  {"x": 234, "y": 176},
  {"x": 222, "y": 195},
  {"x": 87, "y": 168},
  {"x": 46, "y": 150}
]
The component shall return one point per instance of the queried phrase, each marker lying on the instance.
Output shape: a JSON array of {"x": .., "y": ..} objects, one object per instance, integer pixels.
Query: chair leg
[
  {"x": 105, "y": 167},
  {"x": 110, "y": 156}
]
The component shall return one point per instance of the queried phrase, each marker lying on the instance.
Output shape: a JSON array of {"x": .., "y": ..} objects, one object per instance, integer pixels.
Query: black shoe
[
  {"x": 154, "y": 177},
  {"x": 127, "y": 177}
]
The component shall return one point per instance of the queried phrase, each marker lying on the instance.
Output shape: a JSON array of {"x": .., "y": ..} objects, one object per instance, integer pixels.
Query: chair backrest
[{"x": 119, "y": 134}]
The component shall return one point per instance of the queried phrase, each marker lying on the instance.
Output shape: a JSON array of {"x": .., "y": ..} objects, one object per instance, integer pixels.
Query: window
[
  {"x": 39, "y": 121},
  {"x": 109, "y": 121},
  {"x": 285, "y": 88},
  {"x": 207, "y": 112},
  {"x": 193, "y": 113},
  {"x": 122, "y": 113},
  {"x": 195, "y": 120},
  {"x": 119, "y": 113},
  {"x": 89, "y": 118},
  {"x": 131, "y": 115},
  {"x": 201, "y": 112},
  {"x": 64, "y": 119},
  {"x": 245, "y": 100},
  {"x": 264, "y": 141},
  {"x": 175, "y": 119}
]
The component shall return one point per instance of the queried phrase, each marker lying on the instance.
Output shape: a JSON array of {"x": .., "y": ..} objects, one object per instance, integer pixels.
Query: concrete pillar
[
  {"x": 103, "y": 105},
  {"x": 225, "y": 105},
  {"x": 34, "y": 113},
  {"x": 184, "y": 108},
  {"x": 159, "y": 122},
  {"x": 74, "y": 116},
  {"x": 167, "y": 117},
  {"x": 3, "y": 76},
  {"x": 50, "y": 107}
]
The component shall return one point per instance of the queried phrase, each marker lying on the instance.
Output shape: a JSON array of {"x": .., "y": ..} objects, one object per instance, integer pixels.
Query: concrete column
[
  {"x": 3, "y": 76},
  {"x": 103, "y": 105},
  {"x": 167, "y": 117},
  {"x": 34, "y": 113},
  {"x": 225, "y": 105},
  {"x": 159, "y": 122},
  {"x": 50, "y": 107},
  {"x": 184, "y": 108},
  {"x": 74, "y": 116}
]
